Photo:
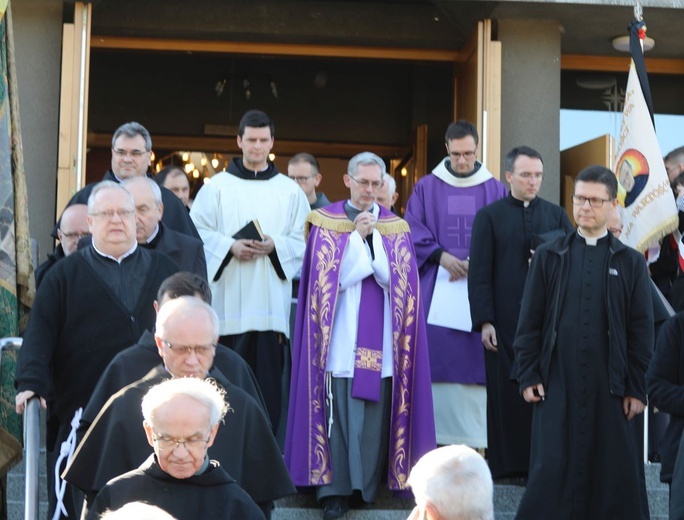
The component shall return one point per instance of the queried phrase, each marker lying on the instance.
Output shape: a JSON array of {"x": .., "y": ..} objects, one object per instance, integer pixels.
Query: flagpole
[{"x": 639, "y": 17}]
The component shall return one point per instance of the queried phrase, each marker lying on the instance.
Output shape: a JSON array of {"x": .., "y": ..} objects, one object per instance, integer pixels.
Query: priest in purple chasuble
[
  {"x": 440, "y": 212},
  {"x": 360, "y": 396}
]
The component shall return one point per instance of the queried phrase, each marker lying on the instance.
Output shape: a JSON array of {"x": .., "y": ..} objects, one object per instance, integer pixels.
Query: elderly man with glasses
[
  {"x": 360, "y": 395},
  {"x": 90, "y": 306},
  {"x": 186, "y": 338},
  {"x": 181, "y": 422},
  {"x": 441, "y": 211}
]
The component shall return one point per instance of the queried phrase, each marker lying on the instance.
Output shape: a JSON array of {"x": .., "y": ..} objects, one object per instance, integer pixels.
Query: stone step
[
  {"x": 506, "y": 501},
  {"x": 386, "y": 507}
]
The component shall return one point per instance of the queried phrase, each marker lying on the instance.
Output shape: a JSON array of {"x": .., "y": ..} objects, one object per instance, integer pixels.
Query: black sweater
[{"x": 77, "y": 326}]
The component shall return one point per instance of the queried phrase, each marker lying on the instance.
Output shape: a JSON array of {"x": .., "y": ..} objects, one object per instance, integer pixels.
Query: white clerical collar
[
  {"x": 591, "y": 241},
  {"x": 117, "y": 260},
  {"x": 375, "y": 210},
  {"x": 153, "y": 235},
  {"x": 480, "y": 176}
]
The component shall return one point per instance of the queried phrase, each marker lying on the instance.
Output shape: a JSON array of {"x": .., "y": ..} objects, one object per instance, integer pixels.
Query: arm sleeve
[
  {"x": 481, "y": 271},
  {"x": 290, "y": 244},
  {"x": 424, "y": 242},
  {"x": 528, "y": 338},
  {"x": 42, "y": 335},
  {"x": 665, "y": 387},
  {"x": 206, "y": 214},
  {"x": 640, "y": 338}
]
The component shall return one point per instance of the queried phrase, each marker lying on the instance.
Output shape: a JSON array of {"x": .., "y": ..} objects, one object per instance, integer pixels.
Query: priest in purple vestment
[
  {"x": 360, "y": 397},
  {"x": 440, "y": 212}
]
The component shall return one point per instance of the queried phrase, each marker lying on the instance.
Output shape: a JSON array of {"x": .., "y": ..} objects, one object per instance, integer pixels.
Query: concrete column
[
  {"x": 38, "y": 44},
  {"x": 530, "y": 98}
]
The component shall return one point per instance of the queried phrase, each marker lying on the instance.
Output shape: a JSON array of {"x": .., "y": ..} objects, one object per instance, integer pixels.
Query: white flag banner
[{"x": 644, "y": 190}]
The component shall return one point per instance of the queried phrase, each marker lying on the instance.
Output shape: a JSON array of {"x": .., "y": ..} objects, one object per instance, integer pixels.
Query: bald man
[{"x": 73, "y": 226}]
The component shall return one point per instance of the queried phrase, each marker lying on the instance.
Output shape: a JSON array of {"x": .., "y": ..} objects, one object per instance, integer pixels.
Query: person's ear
[
  {"x": 212, "y": 435},
  {"x": 149, "y": 433}
]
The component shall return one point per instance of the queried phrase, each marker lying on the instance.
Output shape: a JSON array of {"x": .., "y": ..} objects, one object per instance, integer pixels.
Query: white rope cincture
[
  {"x": 66, "y": 450},
  {"x": 329, "y": 400}
]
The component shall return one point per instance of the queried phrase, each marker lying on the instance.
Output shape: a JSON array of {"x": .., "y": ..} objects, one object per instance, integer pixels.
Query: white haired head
[
  {"x": 456, "y": 482},
  {"x": 205, "y": 392}
]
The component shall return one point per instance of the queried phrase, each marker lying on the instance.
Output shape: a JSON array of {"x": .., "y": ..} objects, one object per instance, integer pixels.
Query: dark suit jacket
[{"x": 186, "y": 251}]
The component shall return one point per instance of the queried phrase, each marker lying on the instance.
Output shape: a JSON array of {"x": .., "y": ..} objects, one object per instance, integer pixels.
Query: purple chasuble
[
  {"x": 441, "y": 216},
  {"x": 368, "y": 358},
  {"x": 412, "y": 432}
]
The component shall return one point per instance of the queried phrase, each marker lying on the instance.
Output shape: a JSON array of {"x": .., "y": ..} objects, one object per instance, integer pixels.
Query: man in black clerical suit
[
  {"x": 90, "y": 306},
  {"x": 181, "y": 422},
  {"x": 583, "y": 343},
  {"x": 186, "y": 336},
  {"x": 131, "y": 152},
  {"x": 504, "y": 235},
  {"x": 186, "y": 251}
]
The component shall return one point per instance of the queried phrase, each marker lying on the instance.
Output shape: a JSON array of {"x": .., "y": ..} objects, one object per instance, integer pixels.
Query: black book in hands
[{"x": 251, "y": 231}]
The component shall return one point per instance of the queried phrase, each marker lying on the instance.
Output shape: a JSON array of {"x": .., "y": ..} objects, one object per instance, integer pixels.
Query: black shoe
[{"x": 334, "y": 507}]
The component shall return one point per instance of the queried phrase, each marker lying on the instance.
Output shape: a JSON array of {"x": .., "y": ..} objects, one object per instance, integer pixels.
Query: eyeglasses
[
  {"x": 183, "y": 350},
  {"x": 133, "y": 154},
  {"x": 376, "y": 185},
  {"x": 75, "y": 234},
  {"x": 166, "y": 443},
  {"x": 109, "y": 214},
  {"x": 303, "y": 179},
  {"x": 466, "y": 155},
  {"x": 594, "y": 202}
]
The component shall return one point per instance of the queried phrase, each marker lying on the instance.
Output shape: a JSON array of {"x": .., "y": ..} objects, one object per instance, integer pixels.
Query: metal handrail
[
  {"x": 32, "y": 462},
  {"x": 31, "y": 442}
]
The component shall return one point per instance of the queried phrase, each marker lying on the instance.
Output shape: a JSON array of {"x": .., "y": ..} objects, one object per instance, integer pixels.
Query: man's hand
[
  {"x": 263, "y": 248},
  {"x": 22, "y": 398},
  {"x": 246, "y": 250},
  {"x": 458, "y": 269},
  {"x": 534, "y": 393},
  {"x": 489, "y": 337},
  {"x": 632, "y": 406},
  {"x": 364, "y": 223}
]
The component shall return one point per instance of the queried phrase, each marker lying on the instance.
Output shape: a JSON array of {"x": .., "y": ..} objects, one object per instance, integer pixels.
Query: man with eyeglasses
[
  {"x": 440, "y": 212},
  {"x": 583, "y": 345},
  {"x": 73, "y": 226},
  {"x": 303, "y": 168},
  {"x": 360, "y": 394},
  {"x": 91, "y": 305},
  {"x": 251, "y": 280},
  {"x": 152, "y": 233},
  {"x": 131, "y": 152},
  {"x": 186, "y": 337},
  {"x": 674, "y": 163},
  {"x": 505, "y": 234},
  {"x": 182, "y": 420}
]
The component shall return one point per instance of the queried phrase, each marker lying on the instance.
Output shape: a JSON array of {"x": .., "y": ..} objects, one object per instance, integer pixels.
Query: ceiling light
[
  {"x": 621, "y": 43},
  {"x": 595, "y": 81}
]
